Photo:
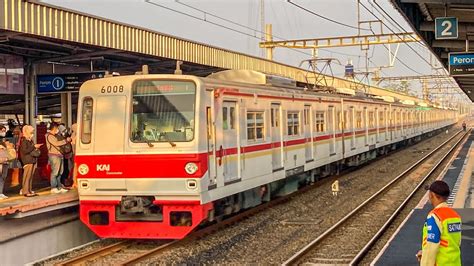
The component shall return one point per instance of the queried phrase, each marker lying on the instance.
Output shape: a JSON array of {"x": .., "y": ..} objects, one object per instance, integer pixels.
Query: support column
[
  {"x": 32, "y": 97},
  {"x": 269, "y": 38},
  {"x": 64, "y": 104},
  {"x": 28, "y": 80},
  {"x": 69, "y": 109}
]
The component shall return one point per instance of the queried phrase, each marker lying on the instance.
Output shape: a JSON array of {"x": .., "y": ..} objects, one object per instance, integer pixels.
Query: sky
[{"x": 235, "y": 25}]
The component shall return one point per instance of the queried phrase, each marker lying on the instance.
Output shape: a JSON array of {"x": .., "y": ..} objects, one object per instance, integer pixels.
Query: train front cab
[{"x": 140, "y": 166}]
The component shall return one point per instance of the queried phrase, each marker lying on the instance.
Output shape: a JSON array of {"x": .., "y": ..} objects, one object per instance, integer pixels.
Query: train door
[
  {"x": 110, "y": 119},
  {"x": 229, "y": 151},
  {"x": 352, "y": 128},
  {"x": 308, "y": 133},
  {"x": 211, "y": 149},
  {"x": 277, "y": 145},
  {"x": 332, "y": 130}
]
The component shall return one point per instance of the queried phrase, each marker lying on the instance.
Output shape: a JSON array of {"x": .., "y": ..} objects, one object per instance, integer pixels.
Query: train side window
[
  {"x": 225, "y": 124},
  {"x": 86, "y": 123},
  {"x": 371, "y": 120},
  {"x": 293, "y": 123},
  {"x": 306, "y": 115},
  {"x": 345, "y": 121},
  {"x": 320, "y": 125},
  {"x": 232, "y": 117},
  {"x": 274, "y": 117},
  {"x": 255, "y": 126},
  {"x": 359, "y": 119}
]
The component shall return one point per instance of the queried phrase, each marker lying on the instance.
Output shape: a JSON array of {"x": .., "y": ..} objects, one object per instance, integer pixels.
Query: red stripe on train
[{"x": 140, "y": 165}]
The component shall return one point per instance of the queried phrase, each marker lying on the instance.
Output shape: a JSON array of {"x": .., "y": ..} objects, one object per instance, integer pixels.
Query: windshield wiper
[
  {"x": 169, "y": 141},
  {"x": 149, "y": 143}
]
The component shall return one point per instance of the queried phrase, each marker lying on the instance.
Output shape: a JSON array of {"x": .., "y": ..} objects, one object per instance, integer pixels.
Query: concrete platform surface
[{"x": 20, "y": 204}]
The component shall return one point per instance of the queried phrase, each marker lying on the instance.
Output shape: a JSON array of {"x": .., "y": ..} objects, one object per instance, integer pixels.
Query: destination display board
[
  {"x": 461, "y": 64},
  {"x": 61, "y": 83}
]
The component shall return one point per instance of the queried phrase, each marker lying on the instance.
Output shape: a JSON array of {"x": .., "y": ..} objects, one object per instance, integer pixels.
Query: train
[{"x": 157, "y": 155}]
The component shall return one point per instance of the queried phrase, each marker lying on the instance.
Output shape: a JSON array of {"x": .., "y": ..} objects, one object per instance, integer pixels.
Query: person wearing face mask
[
  {"x": 54, "y": 142},
  {"x": 29, "y": 153}
]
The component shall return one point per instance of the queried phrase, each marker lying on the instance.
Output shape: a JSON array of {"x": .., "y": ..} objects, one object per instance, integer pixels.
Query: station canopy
[
  {"x": 47, "y": 35},
  {"x": 421, "y": 14}
]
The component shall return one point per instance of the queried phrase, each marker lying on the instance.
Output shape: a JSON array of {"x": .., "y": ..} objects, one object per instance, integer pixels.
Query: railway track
[
  {"x": 347, "y": 241},
  {"x": 130, "y": 252}
]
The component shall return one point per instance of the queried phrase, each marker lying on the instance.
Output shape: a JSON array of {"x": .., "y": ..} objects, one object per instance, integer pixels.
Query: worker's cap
[{"x": 439, "y": 187}]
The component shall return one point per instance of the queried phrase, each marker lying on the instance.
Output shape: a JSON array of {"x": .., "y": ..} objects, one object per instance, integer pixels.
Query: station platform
[
  {"x": 405, "y": 243},
  {"x": 19, "y": 206}
]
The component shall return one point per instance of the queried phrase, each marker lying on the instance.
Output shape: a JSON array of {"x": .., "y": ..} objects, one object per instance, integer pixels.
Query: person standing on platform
[
  {"x": 73, "y": 143},
  {"x": 11, "y": 126},
  {"x": 464, "y": 127},
  {"x": 442, "y": 230},
  {"x": 7, "y": 155},
  {"x": 55, "y": 157},
  {"x": 29, "y": 152}
]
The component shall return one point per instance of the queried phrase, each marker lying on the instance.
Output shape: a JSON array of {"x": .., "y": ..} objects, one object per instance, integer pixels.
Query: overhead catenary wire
[
  {"x": 206, "y": 13},
  {"x": 326, "y": 18},
  {"x": 397, "y": 25},
  {"x": 396, "y": 34}
]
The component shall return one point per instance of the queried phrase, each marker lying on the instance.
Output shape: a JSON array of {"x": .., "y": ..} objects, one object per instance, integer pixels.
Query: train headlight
[{"x": 191, "y": 168}]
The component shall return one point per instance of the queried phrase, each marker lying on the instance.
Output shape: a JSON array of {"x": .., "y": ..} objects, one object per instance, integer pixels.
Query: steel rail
[
  {"x": 395, "y": 214},
  {"x": 149, "y": 253},
  {"x": 94, "y": 254},
  {"x": 308, "y": 247}
]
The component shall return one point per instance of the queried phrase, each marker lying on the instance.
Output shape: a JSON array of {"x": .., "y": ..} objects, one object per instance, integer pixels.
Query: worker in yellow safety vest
[{"x": 441, "y": 231}]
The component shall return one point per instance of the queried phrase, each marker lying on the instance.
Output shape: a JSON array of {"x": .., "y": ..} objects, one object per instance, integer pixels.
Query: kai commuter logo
[{"x": 103, "y": 167}]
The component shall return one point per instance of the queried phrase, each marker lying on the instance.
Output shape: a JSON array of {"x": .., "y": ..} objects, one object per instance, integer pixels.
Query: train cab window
[
  {"x": 255, "y": 126},
  {"x": 86, "y": 123},
  {"x": 320, "y": 125},
  {"x": 293, "y": 123},
  {"x": 163, "y": 111}
]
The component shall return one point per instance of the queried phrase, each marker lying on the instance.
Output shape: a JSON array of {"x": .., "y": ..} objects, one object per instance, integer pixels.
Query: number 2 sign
[{"x": 446, "y": 28}]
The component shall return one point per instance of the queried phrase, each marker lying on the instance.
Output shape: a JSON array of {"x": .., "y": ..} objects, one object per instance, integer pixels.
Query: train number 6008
[{"x": 111, "y": 89}]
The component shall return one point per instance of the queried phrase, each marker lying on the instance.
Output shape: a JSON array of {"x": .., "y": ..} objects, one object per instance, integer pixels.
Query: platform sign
[
  {"x": 461, "y": 64},
  {"x": 60, "y": 83},
  {"x": 446, "y": 28}
]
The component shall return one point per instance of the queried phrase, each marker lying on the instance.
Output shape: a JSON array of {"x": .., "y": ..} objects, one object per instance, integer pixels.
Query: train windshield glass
[{"x": 163, "y": 111}]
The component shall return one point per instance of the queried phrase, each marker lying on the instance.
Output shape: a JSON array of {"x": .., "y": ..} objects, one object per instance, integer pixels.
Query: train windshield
[{"x": 163, "y": 111}]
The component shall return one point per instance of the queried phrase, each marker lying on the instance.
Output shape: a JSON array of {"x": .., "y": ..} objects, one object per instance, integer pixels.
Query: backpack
[{"x": 65, "y": 149}]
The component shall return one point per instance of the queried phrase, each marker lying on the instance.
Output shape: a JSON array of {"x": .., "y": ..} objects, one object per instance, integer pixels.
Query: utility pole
[{"x": 262, "y": 25}]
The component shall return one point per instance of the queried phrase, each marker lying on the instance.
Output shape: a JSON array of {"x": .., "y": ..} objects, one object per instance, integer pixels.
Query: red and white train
[{"x": 157, "y": 155}]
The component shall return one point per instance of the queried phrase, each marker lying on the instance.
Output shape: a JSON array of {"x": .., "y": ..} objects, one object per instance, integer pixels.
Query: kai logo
[
  {"x": 83, "y": 169},
  {"x": 103, "y": 167}
]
